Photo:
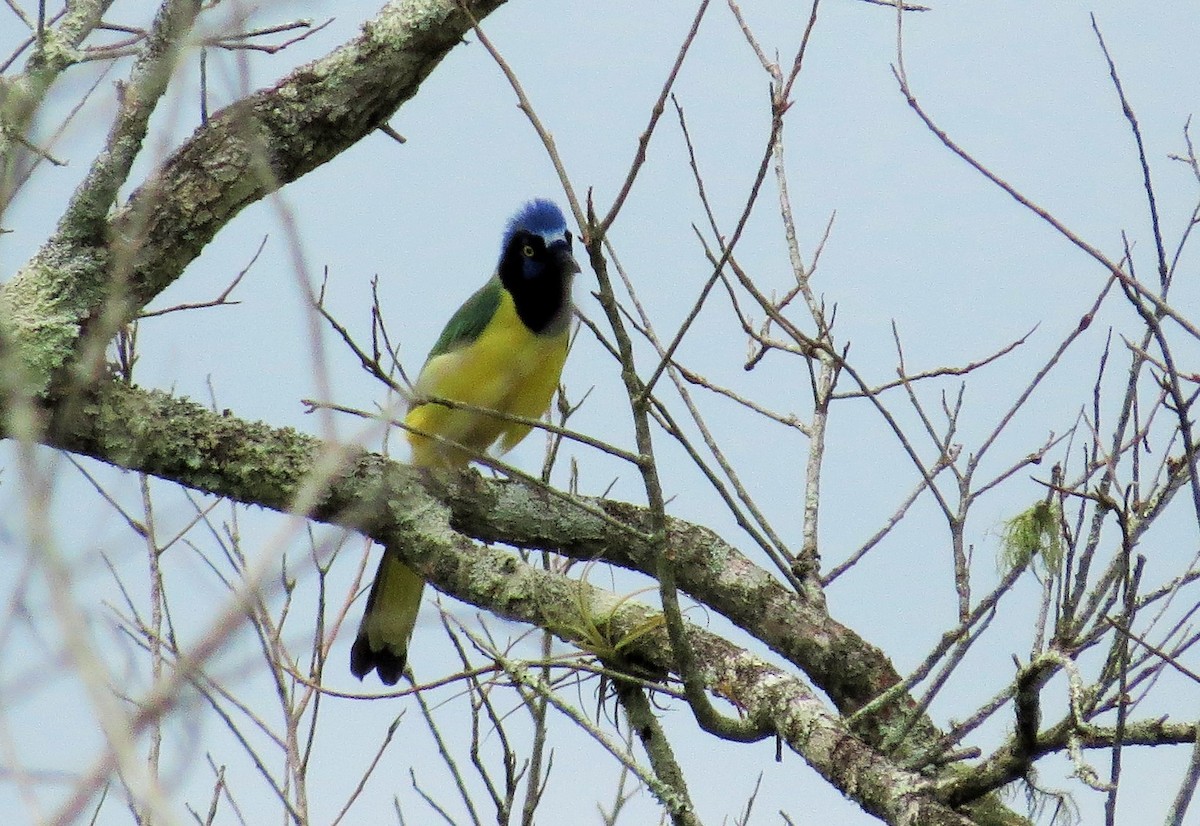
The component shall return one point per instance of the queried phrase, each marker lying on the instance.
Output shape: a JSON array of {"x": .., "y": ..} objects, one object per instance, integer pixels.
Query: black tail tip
[{"x": 364, "y": 659}]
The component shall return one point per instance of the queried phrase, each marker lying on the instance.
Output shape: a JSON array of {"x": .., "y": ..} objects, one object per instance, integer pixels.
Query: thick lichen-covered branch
[
  {"x": 421, "y": 516},
  {"x": 394, "y": 504},
  {"x": 242, "y": 154},
  {"x": 252, "y": 462}
]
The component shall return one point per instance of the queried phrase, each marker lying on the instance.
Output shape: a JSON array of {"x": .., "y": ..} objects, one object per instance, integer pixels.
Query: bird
[{"x": 503, "y": 350}]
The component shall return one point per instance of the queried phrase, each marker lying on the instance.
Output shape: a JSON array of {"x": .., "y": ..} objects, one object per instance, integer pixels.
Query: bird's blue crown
[{"x": 539, "y": 216}]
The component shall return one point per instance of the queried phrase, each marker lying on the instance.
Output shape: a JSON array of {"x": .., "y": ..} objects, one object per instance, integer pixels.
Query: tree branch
[
  {"x": 242, "y": 154},
  {"x": 415, "y": 515}
]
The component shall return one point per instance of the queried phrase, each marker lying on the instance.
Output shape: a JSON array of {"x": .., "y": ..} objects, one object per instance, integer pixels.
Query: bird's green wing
[{"x": 469, "y": 322}]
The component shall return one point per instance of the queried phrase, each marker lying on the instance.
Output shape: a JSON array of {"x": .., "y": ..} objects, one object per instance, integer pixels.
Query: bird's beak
[{"x": 566, "y": 261}]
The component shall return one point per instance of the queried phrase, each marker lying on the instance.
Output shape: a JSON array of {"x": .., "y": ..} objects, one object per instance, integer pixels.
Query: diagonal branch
[
  {"x": 392, "y": 503},
  {"x": 251, "y": 462},
  {"x": 242, "y": 154}
]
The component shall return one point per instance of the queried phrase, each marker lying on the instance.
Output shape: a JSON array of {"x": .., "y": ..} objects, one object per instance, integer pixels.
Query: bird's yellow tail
[{"x": 388, "y": 621}]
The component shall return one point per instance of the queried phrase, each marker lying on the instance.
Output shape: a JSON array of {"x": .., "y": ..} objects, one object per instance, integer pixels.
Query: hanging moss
[{"x": 1033, "y": 533}]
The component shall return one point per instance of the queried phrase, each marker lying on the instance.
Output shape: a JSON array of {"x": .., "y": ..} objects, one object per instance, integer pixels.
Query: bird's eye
[
  {"x": 527, "y": 251},
  {"x": 570, "y": 238}
]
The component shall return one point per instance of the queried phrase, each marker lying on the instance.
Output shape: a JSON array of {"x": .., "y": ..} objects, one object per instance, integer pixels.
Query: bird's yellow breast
[{"x": 508, "y": 369}]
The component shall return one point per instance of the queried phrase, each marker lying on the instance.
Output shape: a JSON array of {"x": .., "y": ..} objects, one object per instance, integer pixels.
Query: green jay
[{"x": 503, "y": 351}]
